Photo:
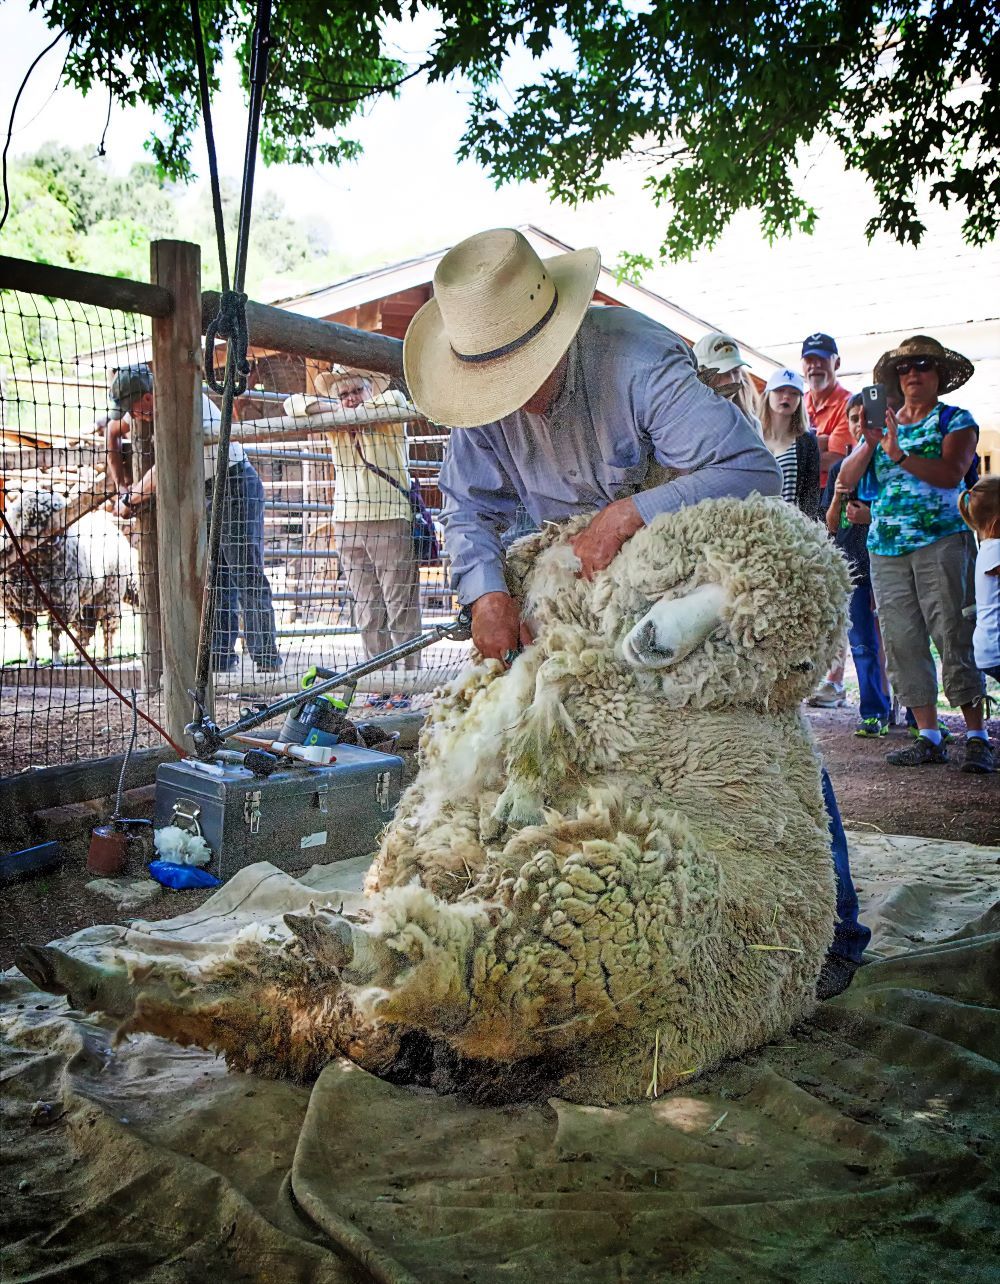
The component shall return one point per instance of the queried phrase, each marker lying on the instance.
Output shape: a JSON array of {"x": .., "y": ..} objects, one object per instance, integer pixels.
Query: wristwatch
[
  {"x": 126, "y": 498},
  {"x": 901, "y": 458}
]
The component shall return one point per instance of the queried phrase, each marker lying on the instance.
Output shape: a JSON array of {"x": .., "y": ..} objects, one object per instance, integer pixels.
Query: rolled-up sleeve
[
  {"x": 702, "y": 435},
  {"x": 479, "y": 503}
]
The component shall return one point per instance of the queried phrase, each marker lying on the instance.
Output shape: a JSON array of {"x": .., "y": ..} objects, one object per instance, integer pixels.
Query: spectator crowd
[
  {"x": 894, "y": 480},
  {"x": 900, "y": 493}
]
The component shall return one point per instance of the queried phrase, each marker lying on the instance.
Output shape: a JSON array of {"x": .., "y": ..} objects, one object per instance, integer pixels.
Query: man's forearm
[
  {"x": 855, "y": 466},
  {"x": 736, "y": 479}
]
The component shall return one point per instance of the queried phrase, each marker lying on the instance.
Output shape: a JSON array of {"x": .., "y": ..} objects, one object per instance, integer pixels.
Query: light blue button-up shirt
[{"x": 631, "y": 398}]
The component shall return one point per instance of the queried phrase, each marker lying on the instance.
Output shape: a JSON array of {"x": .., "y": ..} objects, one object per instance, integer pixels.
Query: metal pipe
[{"x": 459, "y": 630}]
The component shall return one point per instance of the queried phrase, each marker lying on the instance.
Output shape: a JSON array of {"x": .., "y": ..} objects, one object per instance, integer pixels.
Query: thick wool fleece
[{"x": 594, "y": 860}]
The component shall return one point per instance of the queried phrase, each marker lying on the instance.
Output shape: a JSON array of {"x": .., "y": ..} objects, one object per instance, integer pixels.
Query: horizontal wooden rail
[
  {"x": 85, "y": 287},
  {"x": 309, "y": 337}
]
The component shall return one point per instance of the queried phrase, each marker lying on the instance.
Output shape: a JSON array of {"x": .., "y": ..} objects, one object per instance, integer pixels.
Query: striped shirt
[{"x": 788, "y": 462}]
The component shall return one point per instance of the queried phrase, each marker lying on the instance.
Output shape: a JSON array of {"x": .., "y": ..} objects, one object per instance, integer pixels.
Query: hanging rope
[{"x": 231, "y": 322}]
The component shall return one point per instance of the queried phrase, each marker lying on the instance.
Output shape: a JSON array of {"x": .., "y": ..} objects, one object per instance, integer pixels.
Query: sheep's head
[
  {"x": 32, "y": 511},
  {"x": 727, "y": 602}
]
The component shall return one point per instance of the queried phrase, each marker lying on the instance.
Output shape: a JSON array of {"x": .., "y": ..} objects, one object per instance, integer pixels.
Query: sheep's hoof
[
  {"x": 359, "y": 956},
  {"x": 40, "y": 964},
  {"x": 327, "y": 938},
  {"x": 89, "y": 987}
]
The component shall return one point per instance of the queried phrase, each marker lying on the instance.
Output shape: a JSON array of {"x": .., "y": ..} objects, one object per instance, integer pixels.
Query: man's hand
[
  {"x": 598, "y": 544},
  {"x": 497, "y": 628}
]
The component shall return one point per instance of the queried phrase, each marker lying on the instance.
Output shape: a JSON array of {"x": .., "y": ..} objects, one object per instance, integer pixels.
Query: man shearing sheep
[{"x": 565, "y": 408}]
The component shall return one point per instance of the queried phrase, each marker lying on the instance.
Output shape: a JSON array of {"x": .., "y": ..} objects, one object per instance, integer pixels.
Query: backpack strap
[{"x": 372, "y": 468}]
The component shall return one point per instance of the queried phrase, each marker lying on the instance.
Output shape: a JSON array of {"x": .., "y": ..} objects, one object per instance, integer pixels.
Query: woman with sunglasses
[{"x": 914, "y": 468}]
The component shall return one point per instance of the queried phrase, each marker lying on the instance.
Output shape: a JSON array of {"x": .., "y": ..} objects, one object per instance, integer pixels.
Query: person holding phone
[
  {"x": 847, "y": 519},
  {"x": 915, "y": 466}
]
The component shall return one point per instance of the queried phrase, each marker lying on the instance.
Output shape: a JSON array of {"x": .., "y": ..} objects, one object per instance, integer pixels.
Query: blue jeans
[
  {"x": 849, "y": 935},
  {"x": 242, "y": 586},
  {"x": 862, "y": 634}
]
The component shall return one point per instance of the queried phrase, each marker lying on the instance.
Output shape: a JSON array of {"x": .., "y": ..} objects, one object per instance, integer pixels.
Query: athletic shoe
[
  {"x": 835, "y": 976},
  {"x": 871, "y": 728},
  {"x": 269, "y": 664},
  {"x": 829, "y": 696},
  {"x": 946, "y": 735},
  {"x": 979, "y": 757},
  {"x": 922, "y": 753}
]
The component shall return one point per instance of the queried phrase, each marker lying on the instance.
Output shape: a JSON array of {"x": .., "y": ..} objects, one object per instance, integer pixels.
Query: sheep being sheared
[
  {"x": 617, "y": 846},
  {"x": 87, "y": 571}
]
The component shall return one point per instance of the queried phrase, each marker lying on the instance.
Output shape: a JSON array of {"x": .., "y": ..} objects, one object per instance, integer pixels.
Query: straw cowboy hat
[
  {"x": 499, "y": 322},
  {"x": 953, "y": 367}
]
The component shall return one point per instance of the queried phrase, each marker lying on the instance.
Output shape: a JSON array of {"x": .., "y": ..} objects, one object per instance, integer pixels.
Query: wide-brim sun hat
[
  {"x": 954, "y": 369},
  {"x": 327, "y": 383},
  {"x": 718, "y": 351},
  {"x": 500, "y": 321}
]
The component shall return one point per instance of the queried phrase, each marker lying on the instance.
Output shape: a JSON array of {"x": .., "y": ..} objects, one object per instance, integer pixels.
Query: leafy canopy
[
  {"x": 717, "y": 98},
  {"x": 68, "y": 210}
]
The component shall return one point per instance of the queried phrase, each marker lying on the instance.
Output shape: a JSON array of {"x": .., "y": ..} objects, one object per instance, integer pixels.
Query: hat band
[{"x": 475, "y": 357}]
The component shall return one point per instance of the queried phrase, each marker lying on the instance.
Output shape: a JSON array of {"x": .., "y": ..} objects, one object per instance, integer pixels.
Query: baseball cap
[
  {"x": 718, "y": 351},
  {"x": 784, "y": 379},
  {"x": 819, "y": 345},
  {"x": 129, "y": 382}
]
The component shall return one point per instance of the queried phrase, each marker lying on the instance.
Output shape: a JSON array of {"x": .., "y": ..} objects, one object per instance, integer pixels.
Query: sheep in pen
[{"x": 613, "y": 866}]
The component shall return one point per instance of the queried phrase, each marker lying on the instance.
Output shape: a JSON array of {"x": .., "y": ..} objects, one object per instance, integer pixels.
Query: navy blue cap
[{"x": 819, "y": 345}]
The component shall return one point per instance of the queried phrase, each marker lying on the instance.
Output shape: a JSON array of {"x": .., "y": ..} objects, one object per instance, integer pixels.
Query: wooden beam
[
  {"x": 308, "y": 337},
  {"x": 180, "y": 474},
  {"x": 84, "y": 287},
  {"x": 31, "y": 791}
]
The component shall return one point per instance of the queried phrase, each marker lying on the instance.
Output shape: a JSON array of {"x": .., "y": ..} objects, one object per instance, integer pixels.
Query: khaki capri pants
[{"x": 922, "y": 596}]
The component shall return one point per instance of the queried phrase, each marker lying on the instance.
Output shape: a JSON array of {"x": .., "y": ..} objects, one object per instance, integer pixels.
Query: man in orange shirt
[{"x": 826, "y": 401}]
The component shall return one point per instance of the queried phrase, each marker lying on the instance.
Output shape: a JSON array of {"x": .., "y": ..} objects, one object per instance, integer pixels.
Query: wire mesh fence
[
  {"x": 348, "y": 471},
  {"x": 54, "y": 484},
  {"x": 331, "y": 552}
]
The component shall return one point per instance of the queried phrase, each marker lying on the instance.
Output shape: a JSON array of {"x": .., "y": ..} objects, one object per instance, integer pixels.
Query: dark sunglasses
[{"x": 915, "y": 363}]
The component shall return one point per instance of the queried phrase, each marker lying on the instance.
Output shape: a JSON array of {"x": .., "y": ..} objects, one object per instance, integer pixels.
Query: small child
[{"x": 980, "y": 510}]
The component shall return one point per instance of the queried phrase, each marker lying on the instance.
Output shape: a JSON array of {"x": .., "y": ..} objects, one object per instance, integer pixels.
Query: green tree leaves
[{"x": 717, "y": 99}]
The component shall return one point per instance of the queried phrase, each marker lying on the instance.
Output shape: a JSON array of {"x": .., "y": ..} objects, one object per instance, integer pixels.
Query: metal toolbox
[{"x": 296, "y": 817}]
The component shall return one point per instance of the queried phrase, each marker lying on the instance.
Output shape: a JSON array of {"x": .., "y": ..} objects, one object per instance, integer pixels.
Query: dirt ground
[{"x": 938, "y": 802}]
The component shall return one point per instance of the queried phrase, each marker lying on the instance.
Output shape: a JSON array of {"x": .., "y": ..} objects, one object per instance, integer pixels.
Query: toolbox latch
[
  {"x": 184, "y": 814},
  {"x": 251, "y": 810},
  {"x": 383, "y": 790},
  {"x": 321, "y": 793}
]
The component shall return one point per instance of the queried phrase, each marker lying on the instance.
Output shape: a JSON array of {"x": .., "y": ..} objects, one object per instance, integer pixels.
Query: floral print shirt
[{"x": 908, "y": 513}]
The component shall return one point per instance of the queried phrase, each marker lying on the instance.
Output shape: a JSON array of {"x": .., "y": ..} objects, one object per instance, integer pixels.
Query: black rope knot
[{"x": 231, "y": 325}]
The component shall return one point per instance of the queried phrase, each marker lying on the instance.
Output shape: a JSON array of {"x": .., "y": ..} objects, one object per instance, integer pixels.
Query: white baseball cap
[
  {"x": 785, "y": 379},
  {"x": 718, "y": 351}
]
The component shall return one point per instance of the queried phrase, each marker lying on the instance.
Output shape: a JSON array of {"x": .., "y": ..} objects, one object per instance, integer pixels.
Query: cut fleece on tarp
[{"x": 857, "y": 1149}]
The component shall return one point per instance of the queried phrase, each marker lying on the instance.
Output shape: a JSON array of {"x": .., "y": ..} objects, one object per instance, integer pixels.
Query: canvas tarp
[{"x": 856, "y": 1149}]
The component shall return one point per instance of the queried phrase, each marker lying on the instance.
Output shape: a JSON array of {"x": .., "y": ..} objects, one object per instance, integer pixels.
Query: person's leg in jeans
[
  {"x": 225, "y": 622},
  {"x": 864, "y": 640},
  {"x": 243, "y": 542},
  {"x": 850, "y": 936}
]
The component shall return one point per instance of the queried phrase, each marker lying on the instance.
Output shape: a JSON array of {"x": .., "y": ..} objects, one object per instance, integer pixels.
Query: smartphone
[{"x": 873, "y": 402}]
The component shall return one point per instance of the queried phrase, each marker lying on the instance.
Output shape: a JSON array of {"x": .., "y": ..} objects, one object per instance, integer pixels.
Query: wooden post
[{"x": 180, "y": 473}]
